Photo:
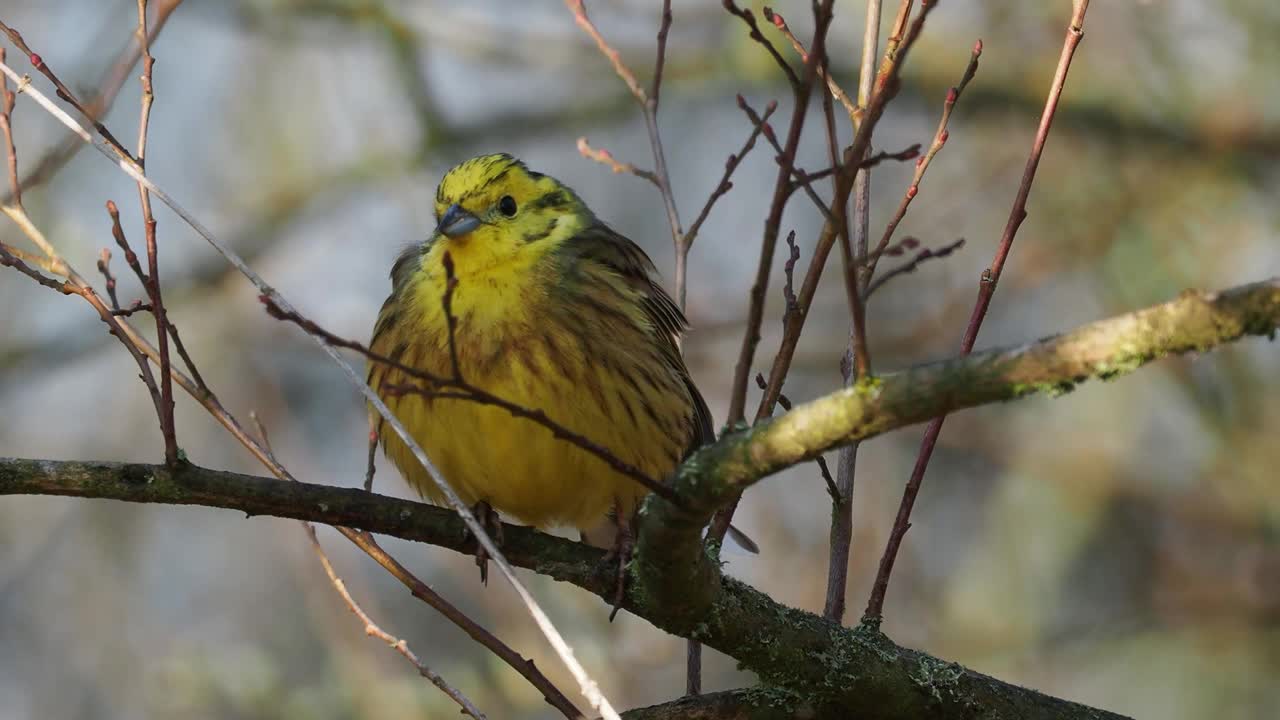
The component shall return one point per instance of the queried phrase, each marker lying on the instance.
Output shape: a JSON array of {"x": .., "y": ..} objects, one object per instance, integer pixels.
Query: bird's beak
[{"x": 457, "y": 222}]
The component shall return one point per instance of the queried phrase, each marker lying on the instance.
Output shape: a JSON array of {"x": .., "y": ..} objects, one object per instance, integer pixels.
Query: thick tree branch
[
  {"x": 831, "y": 667},
  {"x": 1054, "y": 365},
  {"x": 858, "y": 670}
]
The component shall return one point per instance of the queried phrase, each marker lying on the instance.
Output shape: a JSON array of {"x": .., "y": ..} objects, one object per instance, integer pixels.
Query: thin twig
[
  {"x": 589, "y": 689},
  {"x": 108, "y": 87},
  {"x": 911, "y": 265},
  {"x": 772, "y": 226},
  {"x": 64, "y": 92},
  {"x": 886, "y": 86},
  {"x": 773, "y": 223},
  {"x": 754, "y": 33},
  {"x": 370, "y": 627},
  {"x": 604, "y": 157},
  {"x": 856, "y": 361},
  {"x": 725, "y": 184},
  {"x": 6, "y": 117},
  {"x": 832, "y": 86},
  {"x": 649, "y": 108},
  {"x": 986, "y": 288},
  {"x": 373, "y": 630},
  {"x": 821, "y": 461},
  {"x": 800, "y": 178},
  {"x": 104, "y": 267},
  {"x": 153, "y": 255},
  {"x": 922, "y": 164}
]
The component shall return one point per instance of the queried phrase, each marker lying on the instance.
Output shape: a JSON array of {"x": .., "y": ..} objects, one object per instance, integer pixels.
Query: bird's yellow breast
[{"x": 592, "y": 369}]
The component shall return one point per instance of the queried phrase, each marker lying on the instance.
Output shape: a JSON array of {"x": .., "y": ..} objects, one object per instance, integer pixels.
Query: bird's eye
[{"x": 507, "y": 206}]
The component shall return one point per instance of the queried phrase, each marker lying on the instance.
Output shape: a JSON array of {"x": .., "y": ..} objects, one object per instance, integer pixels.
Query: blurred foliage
[{"x": 1119, "y": 546}]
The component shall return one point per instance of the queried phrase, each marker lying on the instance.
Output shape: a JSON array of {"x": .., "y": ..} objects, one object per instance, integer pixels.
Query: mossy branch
[
  {"x": 801, "y": 658},
  {"x": 1194, "y": 321}
]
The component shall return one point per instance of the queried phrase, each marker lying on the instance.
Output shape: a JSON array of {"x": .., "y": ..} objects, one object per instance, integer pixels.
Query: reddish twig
[
  {"x": 773, "y": 222},
  {"x": 109, "y": 85},
  {"x": 749, "y": 18},
  {"x": 104, "y": 267},
  {"x": 781, "y": 193},
  {"x": 922, "y": 163},
  {"x": 832, "y": 86},
  {"x": 373, "y": 630},
  {"x": 136, "y": 307},
  {"x": 6, "y": 116},
  {"x": 131, "y": 259},
  {"x": 423, "y": 592},
  {"x": 821, "y": 461},
  {"x": 63, "y": 91},
  {"x": 649, "y": 108},
  {"x": 799, "y": 178},
  {"x": 986, "y": 288},
  {"x": 604, "y": 157},
  {"x": 370, "y": 627},
  {"x": 730, "y": 165},
  {"x": 886, "y": 89},
  {"x": 153, "y": 256},
  {"x": 910, "y": 266},
  {"x": 909, "y": 153}
]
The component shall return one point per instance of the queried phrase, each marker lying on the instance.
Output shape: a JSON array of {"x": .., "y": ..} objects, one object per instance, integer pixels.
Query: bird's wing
[{"x": 603, "y": 245}]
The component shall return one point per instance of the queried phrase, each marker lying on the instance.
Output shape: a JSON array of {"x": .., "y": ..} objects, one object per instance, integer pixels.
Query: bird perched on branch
[{"x": 523, "y": 295}]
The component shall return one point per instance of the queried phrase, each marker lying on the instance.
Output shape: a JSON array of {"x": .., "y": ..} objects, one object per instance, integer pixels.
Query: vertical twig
[
  {"x": 841, "y": 535},
  {"x": 986, "y": 288},
  {"x": 153, "y": 260},
  {"x": 6, "y": 119},
  {"x": 922, "y": 165},
  {"x": 772, "y": 226}
]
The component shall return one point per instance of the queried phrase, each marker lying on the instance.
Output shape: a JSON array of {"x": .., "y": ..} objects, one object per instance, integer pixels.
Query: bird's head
[{"x": 494, "y": 206}]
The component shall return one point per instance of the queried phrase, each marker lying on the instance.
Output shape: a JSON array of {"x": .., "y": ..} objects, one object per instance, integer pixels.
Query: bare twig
[
  {"x": 587, "y": 686},
  {"x": 370, "y": 627},
  {"x": 911, "y": 265},
  {"x": 730, "y": 165},
  {"x": 373, "y": 630},
  {"x": 153, "y": 256},
  {"x": 6, "y": 117},
  {"x": 821, "y": 461},
  {"x": 832, "y": 86},
  {"x": 64, "y": 92},
  {"x": 604, "y": 157},
  {"x": 749, "y": 18},
  {"x": 886, "y": 86},
  {"x": 104, "y": 267},
  {"x": 986, "y": 288},
  {"x": 108, "y": 87},
  {"x": 922, "y": 164},
  {"x": 649, "y": 108},
  {"x": 800, "y": 178},
  {"x": 840, "y": 537},
  {"x": 773, "y": 223}
]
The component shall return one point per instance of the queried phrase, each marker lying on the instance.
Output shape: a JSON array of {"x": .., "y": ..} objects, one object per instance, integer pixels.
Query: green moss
[
  {"x": 1124, "y": 365},
  {"x": 936, "y": 677},
  {"x": 1052, "y": 389}
]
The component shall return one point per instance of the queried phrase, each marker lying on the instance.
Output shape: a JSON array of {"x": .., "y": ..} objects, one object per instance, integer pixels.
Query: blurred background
[{"x": 1119, "y": 545}]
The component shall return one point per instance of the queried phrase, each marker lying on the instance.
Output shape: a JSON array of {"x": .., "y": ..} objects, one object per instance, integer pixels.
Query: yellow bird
[{"x": 554, "y": 311}]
